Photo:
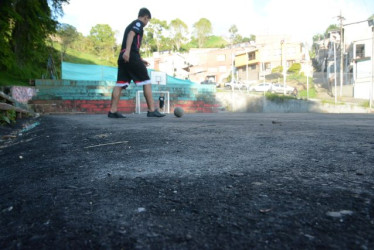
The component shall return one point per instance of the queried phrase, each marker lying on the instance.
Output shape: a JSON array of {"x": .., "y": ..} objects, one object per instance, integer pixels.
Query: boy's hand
[
  {"x": 126, "y": 56},
  {"x": 145, "y": 62}
]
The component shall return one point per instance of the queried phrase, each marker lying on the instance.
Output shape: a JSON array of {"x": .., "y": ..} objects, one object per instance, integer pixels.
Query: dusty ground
[{"x": 203, "y": 181}]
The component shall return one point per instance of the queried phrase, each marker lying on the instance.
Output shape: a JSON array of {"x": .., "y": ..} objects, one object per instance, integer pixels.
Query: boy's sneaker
[
  {"x": 155, "y": 113},
  {"x": 115, "y": 115}
]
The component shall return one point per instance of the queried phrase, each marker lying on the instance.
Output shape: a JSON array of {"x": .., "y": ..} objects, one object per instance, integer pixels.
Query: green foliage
[
  {"x": 68, "y": 35},
  {"x": 8, "y": 117},
  {"x": 25, "y": 27},
  {"x": 365, "y": 104},
  {"x": 203, "y": 28},
  {"x": 234, "y": 36},
  {"x": 300, "y": 78},
  {"x": 178, "y": 31},
  {"x": 332, "y": 102},
  {"x": 103, "y": 40},
  {"x": 154, "y": 33},
  {"x": 330, "y": 28},
  {"x": 215, "y": 42},
  {"x": 318, "y": 37},
  {"x": 84, "y": 57},
  {"x": 295, "y": 68},
  {"x": 9, "y": 79},
  {"x": 312, "y": 93}
]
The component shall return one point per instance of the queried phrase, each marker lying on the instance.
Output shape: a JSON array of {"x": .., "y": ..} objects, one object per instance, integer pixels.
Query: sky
[{"x": 298, "y": 19}]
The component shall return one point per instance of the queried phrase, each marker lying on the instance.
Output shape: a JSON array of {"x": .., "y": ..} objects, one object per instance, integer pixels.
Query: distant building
[
  {"x": 359, "y": 59},
  {"x": 243, "y": 62}
]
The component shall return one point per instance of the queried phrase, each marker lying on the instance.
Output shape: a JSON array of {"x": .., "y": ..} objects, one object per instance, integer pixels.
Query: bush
[
  {"x": 278, "y": 69},
  {"x": 8, "y": 117},
  {"x": 278, "y": 98},
  {"x": 295, "y": 68}
]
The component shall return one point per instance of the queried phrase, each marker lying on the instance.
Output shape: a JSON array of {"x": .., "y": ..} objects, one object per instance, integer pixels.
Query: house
[
  {"x": 173, "y": 64},
  {"x": 359, "y": 55},
  {"x": 255, "y": 62},
  {"x": 214, "y": 64},
  {"x": 356, "y": 54}
]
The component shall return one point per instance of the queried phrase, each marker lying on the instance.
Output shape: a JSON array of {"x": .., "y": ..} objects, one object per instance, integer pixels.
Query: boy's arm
[{"x": 130, "y": 38}]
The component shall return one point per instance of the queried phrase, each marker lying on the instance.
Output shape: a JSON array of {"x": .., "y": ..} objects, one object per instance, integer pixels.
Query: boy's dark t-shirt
[{"x": 136, "y": 26}]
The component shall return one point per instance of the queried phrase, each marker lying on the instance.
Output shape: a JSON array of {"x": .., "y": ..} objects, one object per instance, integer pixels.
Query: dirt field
[{"x": 203, "y": 181}]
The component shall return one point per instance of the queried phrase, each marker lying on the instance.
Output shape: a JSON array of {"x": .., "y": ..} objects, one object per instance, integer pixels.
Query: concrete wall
[
  {"x": 362, "y": 90},
  {"x": 347, "y": 90}
]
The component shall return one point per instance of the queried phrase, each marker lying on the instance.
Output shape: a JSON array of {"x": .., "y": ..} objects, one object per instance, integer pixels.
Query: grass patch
[
  {"x": 312, "y": 93},
  {"x": 332, "y": 102},
  {"x": 74, "y": 56},
  {"x": 365, "y": 104},
  {"x": 215, "y": 42},
  {"x": 7, "y": 79}
]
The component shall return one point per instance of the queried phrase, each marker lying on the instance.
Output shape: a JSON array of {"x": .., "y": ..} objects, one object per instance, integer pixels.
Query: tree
[
  {"x": 318, "y": 37},
  {"x": 178, "y": 32},
  {"x": 330, "y": 28},
  {"x": 235, "y": 37},
  {"x": 104, "y": 41},
  {"x": 7, "y": 17},
  {"x": 68, "y": 35},
  {"x": 25, "y": 27},
  {"x": 156, "y": 27},
  {"x": 203, "y": 28}
]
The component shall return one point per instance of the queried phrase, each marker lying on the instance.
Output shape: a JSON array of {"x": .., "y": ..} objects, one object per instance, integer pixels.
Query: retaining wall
[
  {"x": 245, "y": 102},
  {"x": 56, "y": 96}
]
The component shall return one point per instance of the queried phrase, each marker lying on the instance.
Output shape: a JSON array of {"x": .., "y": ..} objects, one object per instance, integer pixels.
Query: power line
[{"x": 355, "y": 22}]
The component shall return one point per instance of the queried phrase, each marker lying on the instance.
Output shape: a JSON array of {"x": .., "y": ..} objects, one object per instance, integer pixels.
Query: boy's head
[
  {"x": 144, "y": 15},
  {"x": 144, "y": 12}
]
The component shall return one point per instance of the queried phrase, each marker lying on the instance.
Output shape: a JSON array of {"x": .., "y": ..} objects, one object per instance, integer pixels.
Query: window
[
  {"x": 267, "y": 66},
  {"x": 360, "y": 50},
  {"x": 251, "y": 56}
]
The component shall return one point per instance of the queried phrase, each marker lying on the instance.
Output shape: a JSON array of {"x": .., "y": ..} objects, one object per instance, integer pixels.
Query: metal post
[
  {"x": 284, "y": 67},
  {"x": 307, "y": 57},
  {"x": 335, "y": 72},
  {"x": 341, "y": 18},
  {"x": 307, "y": 83},
  {"x": 372, "y": 69}
]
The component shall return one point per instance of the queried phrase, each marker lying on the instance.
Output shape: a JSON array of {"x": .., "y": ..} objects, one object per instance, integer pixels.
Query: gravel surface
[{"x": 202, "y": 181}]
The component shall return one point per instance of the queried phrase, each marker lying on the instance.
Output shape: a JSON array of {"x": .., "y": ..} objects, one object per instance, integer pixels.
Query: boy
[{"x": 132, "y": 67}]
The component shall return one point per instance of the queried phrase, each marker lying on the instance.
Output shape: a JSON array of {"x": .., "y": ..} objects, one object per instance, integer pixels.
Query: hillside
[{"x": 73, "y": 56}]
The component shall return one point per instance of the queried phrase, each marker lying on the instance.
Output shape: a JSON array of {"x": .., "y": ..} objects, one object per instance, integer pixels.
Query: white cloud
[{"x": 300, "y": 18}]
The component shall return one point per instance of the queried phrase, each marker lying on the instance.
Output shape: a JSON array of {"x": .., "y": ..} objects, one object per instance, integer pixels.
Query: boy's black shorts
[{"x": 134, "y": 70}]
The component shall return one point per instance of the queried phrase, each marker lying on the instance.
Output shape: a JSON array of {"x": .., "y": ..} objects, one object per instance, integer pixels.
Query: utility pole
[
  {"x": 335, "y": 72},
  {"x": 307, "y": 58},
  {"x": 341, "y": 19},
  {"x": 284, "y": 66},
  {"x": 372, "y": 66}
]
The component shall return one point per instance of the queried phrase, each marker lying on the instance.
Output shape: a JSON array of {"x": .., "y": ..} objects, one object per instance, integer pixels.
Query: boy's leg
[
  {"x": 152, "y": 112},
  {"x": 116, "y": 94},
  {"x": 147, "y": 90}
]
